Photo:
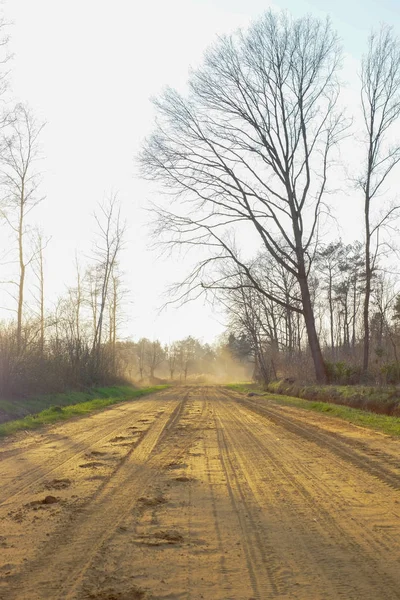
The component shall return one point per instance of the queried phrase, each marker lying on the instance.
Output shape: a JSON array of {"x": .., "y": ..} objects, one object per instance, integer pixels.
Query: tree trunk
[
  {"x": 319, "y": 365},
  {"x": 41, "y": 303},
  {"x": 260, "y": 368},
  {"x": 331, "y": 316},
  {"x": 346, "y": 330},
  {"x": 21, "y": 273},
  {"x": 308, "y": 311},
  {"x": 353, "y": 335},
  {"x": 367, "y": 294}
]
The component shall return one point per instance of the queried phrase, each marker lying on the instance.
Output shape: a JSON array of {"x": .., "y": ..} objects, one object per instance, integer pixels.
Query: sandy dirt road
[{"x": 199, "y": 492}]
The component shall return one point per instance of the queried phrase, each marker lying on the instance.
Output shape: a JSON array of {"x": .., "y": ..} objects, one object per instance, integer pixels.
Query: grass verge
[
  {"x": 384, "y": 400},
  {"x": 60, "y": 407},
  {"x": 383, "y": 423}
]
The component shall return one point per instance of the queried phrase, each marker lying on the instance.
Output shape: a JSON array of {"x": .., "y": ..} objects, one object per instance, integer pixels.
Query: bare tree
[
  {"x": 20, "y": 182},
  {"x": 380, "y": 97},
  {"x": 107, "y": 249},
  {"x": 92, "y": 283},
  {"x": 172, "y": 354},
  {"x": 113, "y": 304},
  {"x": 141, "y": 355},
  {"x": 154, "y": 355},
  {"x": 328, "y": 259},
  {"x": 41, "y": 244},
  {"x": 187, "y": 351},
  {"x": 5, "y": 58},
  {"x": 248, "y": 317},
  {"x": 115, "y": 301},
  {"x": 78, "y": 296},
  {"x": 251, "y": 146}
]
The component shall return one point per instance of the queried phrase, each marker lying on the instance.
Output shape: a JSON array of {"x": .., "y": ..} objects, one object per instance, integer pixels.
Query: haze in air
[{"x": 200, "y": 301}]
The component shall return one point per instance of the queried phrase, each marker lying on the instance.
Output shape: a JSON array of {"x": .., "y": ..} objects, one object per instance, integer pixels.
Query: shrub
[
  {"x": 343, "y": 373},
  {"x": 391, "y": 373}
]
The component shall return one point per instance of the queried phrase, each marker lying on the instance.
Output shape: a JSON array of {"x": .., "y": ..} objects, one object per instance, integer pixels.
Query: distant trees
[
  {"x": 183, "y": 361},
  {"x": 178, "y": 359},
  {"x": 172, "y": 353},
  {"x": 189, "y": 352},
  {"x": 154, "y": 355},
  {"x": 264, "y": 328},
  {"x": 76, "y": 343},
  {"x": 276, "y": 340},
  {"x": 328, "y": 264},
  {"x": 141, "y": 356}
]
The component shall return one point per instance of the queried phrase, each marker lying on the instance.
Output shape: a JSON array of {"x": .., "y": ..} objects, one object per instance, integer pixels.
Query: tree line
[
  {"x": 275, "y": 338},
  {"x": 184, "y": 361},
  {"x": 74, "y": 344}
]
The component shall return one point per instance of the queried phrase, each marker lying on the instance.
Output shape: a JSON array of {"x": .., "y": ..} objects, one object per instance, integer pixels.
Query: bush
[
  {"x": 343, "y": 373},
  {"x": 391, "y": 373}
]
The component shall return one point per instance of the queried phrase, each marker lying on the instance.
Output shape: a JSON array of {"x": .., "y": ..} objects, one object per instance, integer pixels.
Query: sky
[{"x": 89, "y": 68}]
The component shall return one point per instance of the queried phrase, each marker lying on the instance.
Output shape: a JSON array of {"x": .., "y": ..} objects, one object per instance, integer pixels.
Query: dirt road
[{"x": 200, "y": 493}]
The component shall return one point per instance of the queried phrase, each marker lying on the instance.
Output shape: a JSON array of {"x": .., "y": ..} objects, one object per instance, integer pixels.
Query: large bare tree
[
  {"x": 380, "y": 97},
  {"x": 248, "y": 148}
]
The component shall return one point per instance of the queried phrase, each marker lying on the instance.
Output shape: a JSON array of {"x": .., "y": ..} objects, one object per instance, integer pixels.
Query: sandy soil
[{"x": 200, "y": 493}]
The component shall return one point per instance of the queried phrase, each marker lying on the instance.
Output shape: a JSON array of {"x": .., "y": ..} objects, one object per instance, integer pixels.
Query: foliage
[
  {"x": 391, "y": 373},
  {"x": 343, "y": 373}
]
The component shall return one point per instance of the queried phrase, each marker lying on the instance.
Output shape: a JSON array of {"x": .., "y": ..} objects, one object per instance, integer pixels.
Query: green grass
[
  {"x": 59, "y": 407},
  {"x": 383, "y": 423}
]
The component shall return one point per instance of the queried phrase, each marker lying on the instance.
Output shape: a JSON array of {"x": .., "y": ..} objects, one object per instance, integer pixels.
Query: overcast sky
[{"x": 88, "y": 68}]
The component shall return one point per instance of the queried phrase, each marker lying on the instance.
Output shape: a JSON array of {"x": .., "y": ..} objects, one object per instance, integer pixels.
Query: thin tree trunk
[
  {"x": 41, "y": 301},
  {"x": 353, "y": 337},
  {"x": 21, "y": 272},
  {"x": 367, "y": 289},
  {"x": 331, "y": 316}
]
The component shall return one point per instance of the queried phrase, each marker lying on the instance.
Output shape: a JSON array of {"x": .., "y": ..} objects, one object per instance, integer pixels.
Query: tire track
[
  {"x": 257, "y": 563},
  {"x": 222, "y": 524},
  {"x": 59, "y": 572},
  {"x": 37, "y": 474},
  {"x": 312, "y": 498},
  {"x": 173, "y": 446},
  {"x": 222, "y": 502},
  {"x": 342, "y": 449}
]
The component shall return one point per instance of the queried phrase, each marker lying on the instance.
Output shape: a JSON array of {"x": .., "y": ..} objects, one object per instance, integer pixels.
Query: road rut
[{"x": 201, "y": 493}]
